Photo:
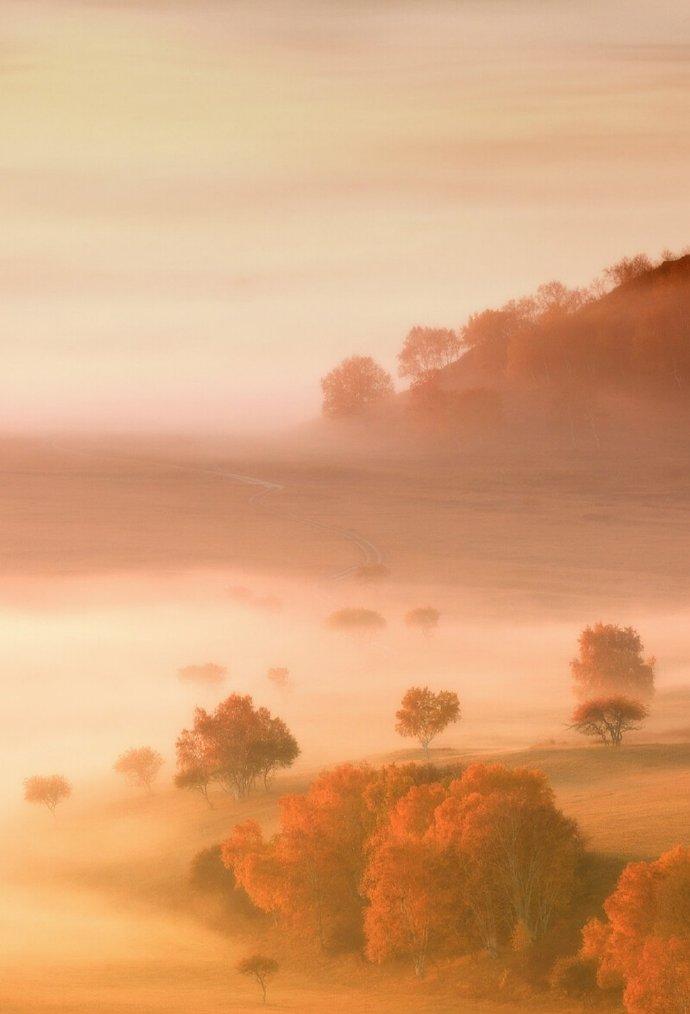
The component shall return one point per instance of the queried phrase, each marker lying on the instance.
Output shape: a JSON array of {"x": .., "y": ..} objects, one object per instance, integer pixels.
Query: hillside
[
  {"x": 574, "y": 368},
  {"x": 156, "y": 947}
]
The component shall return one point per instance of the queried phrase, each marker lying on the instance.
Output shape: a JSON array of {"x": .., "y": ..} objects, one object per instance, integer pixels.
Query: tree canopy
[
  {"x": 608, "y": 718},
  {"x": 610, "y": 661},
  {"x": 644, "y": 944},
  {"x": 353, "y": 387},
  {"x": 140, "y": 765},
  {"x": 413, "y": 862},
  {"x": 423, "y": 713},
  {"x": 427, "y": 349},
  {"x": 49, "y": 790},
  {"x": 234, "y": 746}
]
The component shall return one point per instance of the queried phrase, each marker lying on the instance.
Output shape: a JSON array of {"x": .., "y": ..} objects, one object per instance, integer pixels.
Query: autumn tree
[
  {"x": 424, "y": 714},
  {"x": 279, "y": 676},
  {"x": 427, "y": 349},
  {"x": 259, "y": 967},
  {"x": 628, "y": 268},
  {"x": 234, "y": 746},
  {"x": 356, "y": 619},
  {"x": 208, "y": 674},
  {"x": 49, "y": 790},
  {"x": 424, "y": 618},
  {"x": 483, "y": 861},
  {"x": 487, "y": 334},
  {"x": 413, "y": 886},
  {"x": 140, "y": 765},
  {"x": 355, "y": 386},
  {"x": 519, "y": 853},
  {"x": 608, "y": 718},
  {"x": 644, "y": 944},
  {"x": 309, "y": 874},
  {"x": 195, "y": 763},
  {"x": 610, "y": 662}
]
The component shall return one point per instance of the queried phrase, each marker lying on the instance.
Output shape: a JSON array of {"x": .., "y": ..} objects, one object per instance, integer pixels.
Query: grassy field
[{"x": 541, "y": 536}]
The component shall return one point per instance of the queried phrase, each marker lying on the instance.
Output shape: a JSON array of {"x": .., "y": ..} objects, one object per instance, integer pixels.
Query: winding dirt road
[{"x": 369, "y": 553}]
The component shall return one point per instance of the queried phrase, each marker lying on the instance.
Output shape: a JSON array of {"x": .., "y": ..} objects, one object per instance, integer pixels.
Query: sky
[{"x": 206, "y": 205}]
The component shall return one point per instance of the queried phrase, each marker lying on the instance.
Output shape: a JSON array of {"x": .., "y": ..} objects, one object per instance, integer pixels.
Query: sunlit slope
[{"x": 99, "y": 906}]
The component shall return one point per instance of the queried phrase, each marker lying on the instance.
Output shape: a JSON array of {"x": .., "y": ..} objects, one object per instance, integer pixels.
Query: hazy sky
[{"x": 205, "y": 205}]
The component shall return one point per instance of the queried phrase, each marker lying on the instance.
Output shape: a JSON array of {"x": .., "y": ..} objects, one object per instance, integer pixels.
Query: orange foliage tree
[
  {"x": 423, "y": 618},
  {"x": 414, "y": 887},
  {"x": 427, "y": 349},
  {"x": 234, "y": 746},
  {"x": 607, "y": 718},
  {"x": 644, "y": 945},
  {"x": 423, "y": 714},
  {"x": 519, "y": 852},
  {"x": 610, "y": 661},
  {"x": 309, "y": 874},
  {"x": 49, "y": 790},
  {"x": 140, "y": 765},
  {"x": 355, "y": 386}
]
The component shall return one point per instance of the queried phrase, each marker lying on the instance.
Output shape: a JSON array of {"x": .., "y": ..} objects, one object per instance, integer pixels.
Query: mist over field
[{"x": 345, "y": 507}]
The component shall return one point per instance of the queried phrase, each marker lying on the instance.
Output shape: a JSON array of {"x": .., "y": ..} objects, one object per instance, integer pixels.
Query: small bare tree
[
  {"x": 47, "y": 789},
  {"x": 140, "y": 765},
  {"x": 260, "y": 968},
  {"x": 607, "y": 718}
]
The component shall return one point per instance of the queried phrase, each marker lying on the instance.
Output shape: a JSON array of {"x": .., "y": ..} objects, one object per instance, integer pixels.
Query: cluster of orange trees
[
  {"x": 641, "y": 949},
  {"x": 409, "y": 861},
  {"x": 233, "y": 746}
]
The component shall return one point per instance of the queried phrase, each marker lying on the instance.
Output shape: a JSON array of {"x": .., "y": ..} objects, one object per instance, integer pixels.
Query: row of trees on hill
[{"x": 568, "y": 339}]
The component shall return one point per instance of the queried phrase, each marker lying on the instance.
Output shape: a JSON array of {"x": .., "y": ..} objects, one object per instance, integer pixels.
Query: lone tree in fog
[
  {"x": 234, "y": 745},
  {"x": 280, "y": 676},
  {"x": 47, "y": 789},
  {"x": 610, "y": 662},
  {"x": 210, "y": 674},
  {"x": 354, "y": 386},
  {"x": 139, "y": 766},
  {"x": 427, "y": 349},
  {"x": 423, "y": 714},
  {"x": 424, "y": 618},
  {"x": 356, "y": 619},
  {"x": 260, "y": 968},
  {"x": 607, "y": 718}
]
